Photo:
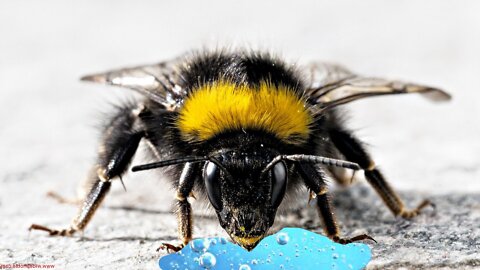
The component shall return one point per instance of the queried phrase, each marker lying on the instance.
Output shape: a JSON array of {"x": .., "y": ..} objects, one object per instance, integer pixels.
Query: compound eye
[
  {"x": 279, "y": 183},
  {"x": 211, "y": 176}
]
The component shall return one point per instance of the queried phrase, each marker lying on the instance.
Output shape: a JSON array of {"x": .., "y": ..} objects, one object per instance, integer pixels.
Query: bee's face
[{"x": 244, "y": 198}]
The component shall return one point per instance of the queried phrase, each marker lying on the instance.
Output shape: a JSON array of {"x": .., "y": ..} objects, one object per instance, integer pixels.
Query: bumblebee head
[
  {"x": 246, "y": 186},
  {"x": 245, "y": 195}
]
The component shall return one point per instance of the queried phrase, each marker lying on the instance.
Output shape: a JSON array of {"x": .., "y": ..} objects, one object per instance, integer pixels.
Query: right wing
[{"x": 332, "y": 85}]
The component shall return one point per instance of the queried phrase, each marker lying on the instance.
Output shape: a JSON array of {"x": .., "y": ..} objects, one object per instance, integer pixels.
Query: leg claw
[
  {"x": 408, "y": 214},
  {"x": 64, "y": 232},
  {"x": 170, "y": 248},
  {"x": 345, "y": 241}
]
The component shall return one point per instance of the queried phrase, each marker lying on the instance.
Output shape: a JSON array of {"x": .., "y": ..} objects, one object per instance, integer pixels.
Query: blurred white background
[{"x": 48, "y": 116}]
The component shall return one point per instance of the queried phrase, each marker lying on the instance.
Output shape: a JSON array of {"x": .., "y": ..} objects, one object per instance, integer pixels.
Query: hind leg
[
  {"x": 119, "y": 143},
  {"x": 353, "y": 151}
]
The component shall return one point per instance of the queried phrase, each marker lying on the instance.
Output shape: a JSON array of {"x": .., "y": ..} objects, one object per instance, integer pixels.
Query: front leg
[
  {"x": 120, "y": 141},
  {"x": 315, "y": 180},
  {"x": 184, "y": 210}
]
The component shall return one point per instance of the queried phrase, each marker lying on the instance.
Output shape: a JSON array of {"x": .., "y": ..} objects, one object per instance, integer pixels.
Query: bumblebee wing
[
  {"x": 160, "y": 82},
  {"x": 332, "y": 85}
]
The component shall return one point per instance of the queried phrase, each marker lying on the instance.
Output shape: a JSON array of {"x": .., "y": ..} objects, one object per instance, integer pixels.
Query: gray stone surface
[{"x": 47, "y": 138}]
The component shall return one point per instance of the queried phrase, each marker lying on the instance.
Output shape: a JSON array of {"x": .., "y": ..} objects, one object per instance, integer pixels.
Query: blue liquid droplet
[
  {"x": 244, "y": 267},
  {"x": 199, "y": 245},
  {"x": 282, "y": 238},
  {"x": 207, "y": 260}
]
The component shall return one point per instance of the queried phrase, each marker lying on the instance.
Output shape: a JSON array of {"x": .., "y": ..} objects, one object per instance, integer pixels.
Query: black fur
[{"x": 250, "y": 68}]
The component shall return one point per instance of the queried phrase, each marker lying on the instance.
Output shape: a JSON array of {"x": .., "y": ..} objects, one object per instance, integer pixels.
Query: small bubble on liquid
[
  {"x": 362, "y": 250},
  {"x": 281, "y": 266},
  {"x": 335, "y": 256},
  {"x": 350, "y": 266},
  {"x": 244, "y": 267},
  {"x": 268, "y": 261},
  {"x": 332, "y": 248},
  {"x": 213, "y": 241},
  {"x": 199, "y": 245},
  {"x": 297, "y": 255},
  {"x": 207, "y": 260},
  {"x": 254, "y": 262},
  {"x": 280, "y": 254},
  {"x": 296, "y": 245},
  {"x": 282, "y": 238}
]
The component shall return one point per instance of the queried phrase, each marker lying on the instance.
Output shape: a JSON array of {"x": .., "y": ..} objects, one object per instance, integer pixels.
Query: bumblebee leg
[
  {"x": 184, "y": 209},
  {"x": 353, "y": 150},
  {"x": 315, "y": 181},
  {"x": 120, "y": 141},
  {"x": 63, "y": 200}
]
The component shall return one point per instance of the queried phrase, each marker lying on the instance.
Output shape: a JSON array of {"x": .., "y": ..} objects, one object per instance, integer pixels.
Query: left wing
[
  {"x": 332, "y": 85},
  {"x": 160, "y": 82}
]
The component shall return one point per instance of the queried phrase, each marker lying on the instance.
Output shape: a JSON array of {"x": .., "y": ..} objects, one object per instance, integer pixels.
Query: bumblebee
[{"x": 242, "y": 128}]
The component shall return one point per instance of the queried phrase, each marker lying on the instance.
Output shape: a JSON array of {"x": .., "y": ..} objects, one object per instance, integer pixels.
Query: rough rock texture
[
  {"x": 126, "y": 236},
  {"x": 47, "y": 141}
]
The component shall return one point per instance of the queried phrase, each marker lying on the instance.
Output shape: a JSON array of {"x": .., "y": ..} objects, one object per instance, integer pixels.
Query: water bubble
[
  {"x": 199, "y": 245},
  {"x": 332, "y": 247},
  {"x": 362, "y": 250},
  {"x": 213, "y": 241},
  {"x": 244, "y": 267},
  {"x": 350, "y": 266},
  {"x": 254, "y": 262},
  {"x": 282, "y": 238},
  {"x": 223, "y": 241},
  {"x": 297, "y": 255},
  {"x": 335, "y": 256},
  {"x": 207, "y": 260},
  {"x": 281, "y": 266},
  {"x": 280, "y": 254}
]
